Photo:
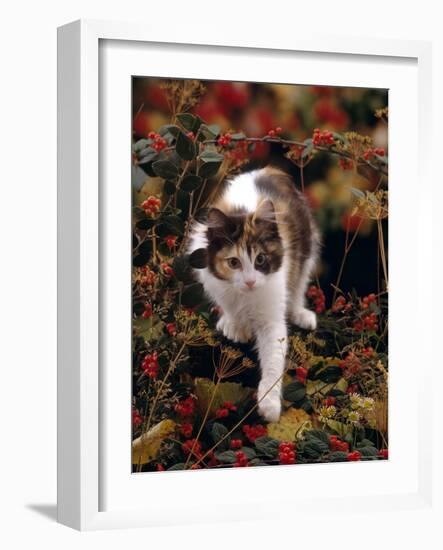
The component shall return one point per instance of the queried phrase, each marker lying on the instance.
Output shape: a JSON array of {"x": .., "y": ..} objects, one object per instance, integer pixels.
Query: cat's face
[{"x": 244, "y": 249}]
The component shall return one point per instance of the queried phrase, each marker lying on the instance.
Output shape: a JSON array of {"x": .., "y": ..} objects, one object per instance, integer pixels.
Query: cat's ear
[
  {"x": 216, "y": 219},
  {"x": 199, "y": 258},
  {"x": 265, "y": 211}
]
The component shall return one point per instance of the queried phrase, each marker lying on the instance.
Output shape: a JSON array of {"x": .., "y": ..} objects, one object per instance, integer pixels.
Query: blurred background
[{"x": 256, "y": 108}]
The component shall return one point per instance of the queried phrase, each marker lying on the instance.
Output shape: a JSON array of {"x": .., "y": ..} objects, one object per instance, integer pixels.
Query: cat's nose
[{"x": 250, "y": 284}]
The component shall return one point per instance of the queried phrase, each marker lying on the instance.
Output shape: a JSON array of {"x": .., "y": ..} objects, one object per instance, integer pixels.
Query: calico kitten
[{"x": 256, "y": 250}]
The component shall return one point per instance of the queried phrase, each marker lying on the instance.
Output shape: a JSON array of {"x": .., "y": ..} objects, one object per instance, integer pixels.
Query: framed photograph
[{"x": 233, "y": 277}]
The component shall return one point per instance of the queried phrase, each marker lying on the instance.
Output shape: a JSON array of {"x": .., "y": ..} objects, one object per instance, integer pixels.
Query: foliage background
[
  {"x": 193, "y": 403},
  {"x": 256, "y": 108}
]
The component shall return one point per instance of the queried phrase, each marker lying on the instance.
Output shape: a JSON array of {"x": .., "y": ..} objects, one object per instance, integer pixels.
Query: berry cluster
[
  {"x": 351, "y": 364},
  {"x": 369, "y": 153},
  {"x": 346, "y": 164},
  {"x": 368, "y": 322},
  {"x": 335, "y": 444},
  {"x": 148, "y": 276},
  {"x": 242, "y": 460},
  {"x": 150, "y": 365},
  {"x": 167, "y": 270},
  {"x": 275, "y": 132},
  {"x": 194, "y": 446},
  {"x": 159, "y": 143},
  {"x": 368, "y": 300},
  {"x": 223, "y": 411},
  {"x": 151, "y": 206},
  {"x": 236, "y": 444},
  {"x": 383, "y": 453},
  {"x": 354, "y": 456},
  {"x": 286, "y": 452},
  {"x": 317, "y": 295},
  {"x": 301, "y": 374},
  {"x": 329, "y": 401},
  {"x": 340, "y": 305},
  {"x": 171, "y": 328},
  {"x": 137, "y": 418},
  {"x": 148, "y": 311},
  {"x": 368, "y": 351},
  {"x": 185, "y": 407},
  {"x": 224, "y": 140},
  {"x": 324, "y": 137},
  {"x": 253, "y": 432},
  {"x": 170, "y": 241},
  {"x": 186, "y": 429}
]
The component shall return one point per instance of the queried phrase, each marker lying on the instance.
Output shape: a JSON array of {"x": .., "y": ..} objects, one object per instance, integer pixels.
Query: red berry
[{"x": 383, "y": 453}]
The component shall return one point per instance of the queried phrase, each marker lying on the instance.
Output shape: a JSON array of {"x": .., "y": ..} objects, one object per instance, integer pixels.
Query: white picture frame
[{"x": 82, "y": 414}]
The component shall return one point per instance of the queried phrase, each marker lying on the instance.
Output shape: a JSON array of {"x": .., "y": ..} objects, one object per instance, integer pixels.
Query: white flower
[{"x": 354, "y": 417}]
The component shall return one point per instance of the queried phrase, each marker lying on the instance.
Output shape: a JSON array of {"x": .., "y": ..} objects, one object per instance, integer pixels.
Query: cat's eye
[
  {"x": 234, "y": 263},
  {"x": 260, "y": 259}
]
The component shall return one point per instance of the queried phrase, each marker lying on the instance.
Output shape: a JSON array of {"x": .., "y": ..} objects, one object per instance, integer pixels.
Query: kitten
[{"x": 256, "y": 251}]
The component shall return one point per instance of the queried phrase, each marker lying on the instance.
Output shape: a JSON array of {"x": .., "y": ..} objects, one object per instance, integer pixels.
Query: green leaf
[
  {"x": 368, "y": 452},
  {"x": 365, "y": 443},
  {"x": 209, "y": 169},
  {"x": 170, "y": 225},
  {"x": 190, "y": 183},
  {"x": 338, "y": 456},
  {"x": 146, "y": 223},
  {"x": 165, "y": 169},
  {"x": 267, "y": 446},
  {"x": 309, "y": 146},
  {"x": 179, "y": 466},
  {"x": 330, "y": 374},
  {"x": 294, "y": 392},
  {"x": 218, "y": 432},
  {"x": 211, "y": 156},
  {"x": 138, "y": 177},
  {"x": 319, "y": 435},
  {"x": 189, "y": 122},
  {"x": 169, "y": 187},
  {"x": 169, "y": 129},
  {"x": 226, "y": 457},
  {"x": 185, "y": 147},
  {"x": 140, "y": 145},
  {"x": 147, "y": 155},
  {"x": 210, "y": 131},
  {"x": 249, "y": 452}
]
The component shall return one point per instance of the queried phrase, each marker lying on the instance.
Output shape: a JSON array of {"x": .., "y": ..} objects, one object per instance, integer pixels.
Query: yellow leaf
[
  {"x": 322, "y": 388},
  {"x": 339, "y": 427},
  {"x": 145, "y": 448},
  {"x": 289, "y": 425},
  {"x": 226, "y": 391}
]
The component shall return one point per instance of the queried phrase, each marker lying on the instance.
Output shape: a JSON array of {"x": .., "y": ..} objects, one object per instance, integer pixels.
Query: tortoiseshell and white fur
[{"x": 260, "y": 245}]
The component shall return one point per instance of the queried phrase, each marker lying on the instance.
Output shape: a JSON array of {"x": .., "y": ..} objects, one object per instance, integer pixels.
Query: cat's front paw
[
  {"x": 234, "y": 331},
  {"x": 270, "y": 408},
  {"x": 304, "y": 318},
  {"x": 269, "y": 402}
]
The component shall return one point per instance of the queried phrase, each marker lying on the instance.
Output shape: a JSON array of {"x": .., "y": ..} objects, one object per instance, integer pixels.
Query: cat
[{"x": 254, "y": 253}]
